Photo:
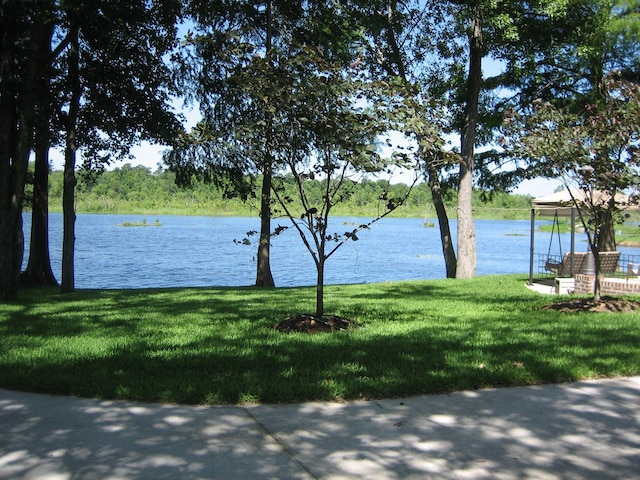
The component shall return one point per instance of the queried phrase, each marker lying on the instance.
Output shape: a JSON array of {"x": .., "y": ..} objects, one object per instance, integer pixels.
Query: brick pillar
[{"x": 584, "y": 284}]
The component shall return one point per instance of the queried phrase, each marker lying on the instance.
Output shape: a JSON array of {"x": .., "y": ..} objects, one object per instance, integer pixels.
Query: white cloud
[{"x": 537, "y": 187}]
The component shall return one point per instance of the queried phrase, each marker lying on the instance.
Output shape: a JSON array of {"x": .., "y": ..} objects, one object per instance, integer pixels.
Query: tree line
[
  {"x": 319, "y": 91},
  {"x": 136, "y": 189}
]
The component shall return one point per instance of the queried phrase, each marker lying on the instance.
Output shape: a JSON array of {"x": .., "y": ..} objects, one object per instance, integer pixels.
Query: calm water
[{"x": 200, "y": 251}]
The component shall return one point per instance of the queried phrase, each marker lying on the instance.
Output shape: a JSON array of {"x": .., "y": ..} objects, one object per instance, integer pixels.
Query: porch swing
[
  {"x": 552, "y": 264},
  {"x": 576, "y": 262}
]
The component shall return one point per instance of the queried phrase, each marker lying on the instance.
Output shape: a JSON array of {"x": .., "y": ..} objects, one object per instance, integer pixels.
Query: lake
[{"x": 200, "y": 251}]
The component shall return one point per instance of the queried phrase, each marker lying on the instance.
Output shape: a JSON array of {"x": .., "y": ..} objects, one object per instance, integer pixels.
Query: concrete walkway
[{"x": 585, "y": 430}]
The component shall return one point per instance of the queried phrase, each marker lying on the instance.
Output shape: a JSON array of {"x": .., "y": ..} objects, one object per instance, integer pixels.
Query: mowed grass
[{"x": 214, "y": 345}]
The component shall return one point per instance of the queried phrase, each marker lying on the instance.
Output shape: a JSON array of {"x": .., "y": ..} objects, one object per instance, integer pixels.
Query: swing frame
[
  {"x": 564, "y": 204},
  {"x": 554, "y": 211}
]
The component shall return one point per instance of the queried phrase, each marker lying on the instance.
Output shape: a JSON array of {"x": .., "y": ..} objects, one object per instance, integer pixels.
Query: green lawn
[{"x": 214, "y": 345}]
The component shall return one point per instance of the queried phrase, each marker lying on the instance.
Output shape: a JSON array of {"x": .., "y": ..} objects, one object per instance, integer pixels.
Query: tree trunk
[
  {"x": 38, "y": 271},
  {"x": 69, "y": 215},
  {"x": 264, "y": 278},
  {"x": 596, "y": 284},
  {"x": 466, "y": 267},
  {"x": 446, "y": 240},
  {"x": 320, "y": 286},
  {"x": 68, "y": 193},
  {"x": 606, "y": 241},
  {"x": 8, "y": 133},
  {"x": 17, "y": 113}
]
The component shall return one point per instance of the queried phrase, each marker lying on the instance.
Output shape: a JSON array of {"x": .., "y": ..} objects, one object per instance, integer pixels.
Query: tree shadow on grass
[
  {"x": 271, "y": 367},
  {"x": 210, "y": 346}
]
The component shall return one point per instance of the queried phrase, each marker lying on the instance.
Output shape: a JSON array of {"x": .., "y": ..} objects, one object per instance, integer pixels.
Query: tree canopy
[{"x": 98, "y": 77}]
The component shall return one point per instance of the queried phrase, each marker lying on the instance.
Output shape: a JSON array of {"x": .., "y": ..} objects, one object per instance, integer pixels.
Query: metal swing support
[
  {"x": 555, "y": 227},
  {"x": 532, "y": 243}
]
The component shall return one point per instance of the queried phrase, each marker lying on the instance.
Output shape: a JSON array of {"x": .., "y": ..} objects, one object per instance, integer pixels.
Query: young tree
[
  {"x": 342, "y": 153},
  {"x": 328, "y": 126},
  {"x": 595, "y": 152}
]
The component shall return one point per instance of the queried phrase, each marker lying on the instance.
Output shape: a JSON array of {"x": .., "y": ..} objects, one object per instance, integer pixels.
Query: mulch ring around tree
[
  {"x": 308, "y": 323},
  {"x": 606, "y": 304}
]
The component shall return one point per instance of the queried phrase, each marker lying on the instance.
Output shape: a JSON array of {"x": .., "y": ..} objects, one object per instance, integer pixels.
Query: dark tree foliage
[
  {"x": 585, "y": 40},
  {"x": 96, "y": 70},
  {"x": 127, "y": 86}
]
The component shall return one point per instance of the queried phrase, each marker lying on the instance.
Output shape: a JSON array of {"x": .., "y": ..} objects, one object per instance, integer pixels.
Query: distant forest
[{"x": 137, "y": 190}]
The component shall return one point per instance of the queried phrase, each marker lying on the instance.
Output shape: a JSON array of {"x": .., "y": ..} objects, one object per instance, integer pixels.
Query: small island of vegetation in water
[{"x": 143, "y": 223}]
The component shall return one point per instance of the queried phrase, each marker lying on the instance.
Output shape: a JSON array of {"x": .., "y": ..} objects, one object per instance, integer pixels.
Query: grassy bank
[
  {"x": 236, "y": 208},
  {"x": 214, "y": 345},
  {"x": 627, "y": 234}
]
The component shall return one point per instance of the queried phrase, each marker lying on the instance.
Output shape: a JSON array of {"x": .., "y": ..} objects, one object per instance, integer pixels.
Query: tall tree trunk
[
  {"x": 446, "y": 239},
  {"x": 9, "y": 211},
  {"x": 433, "y": 179},
  {"x": 264, "y": 278},
  {"x": 17, "y": 113},
  {"x": 38, "y": 271},
  {"x": 68, "y": 194},
  {"x": 69, "y": 215},
  {"x": 466, "y": 267}
]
